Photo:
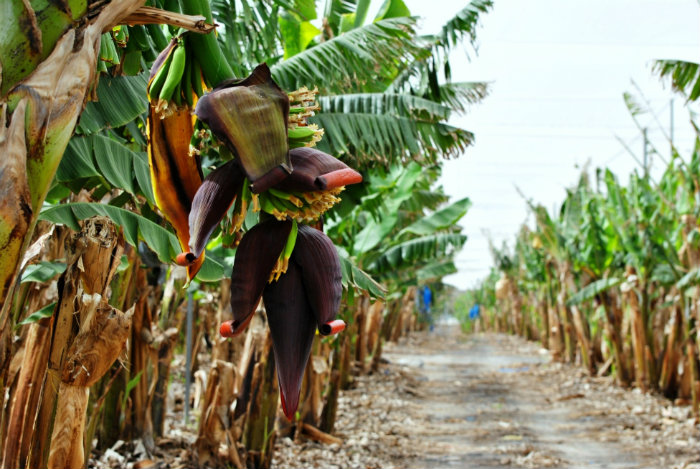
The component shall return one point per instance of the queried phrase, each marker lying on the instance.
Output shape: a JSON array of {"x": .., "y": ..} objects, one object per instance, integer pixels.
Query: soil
[{"x": 445, "y": 400}]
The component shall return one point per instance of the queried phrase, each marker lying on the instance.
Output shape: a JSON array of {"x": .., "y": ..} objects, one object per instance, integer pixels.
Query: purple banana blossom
[
  {"x": 302, "y": 300},
  {"x": 307, "y": 296}
]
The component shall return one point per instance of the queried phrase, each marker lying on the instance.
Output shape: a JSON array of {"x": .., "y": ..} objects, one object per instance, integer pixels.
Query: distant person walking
[
  {"x": 475, "y": 312},
  {"x": 474, "y": 315},
  {"x": 426, "y": 302}
]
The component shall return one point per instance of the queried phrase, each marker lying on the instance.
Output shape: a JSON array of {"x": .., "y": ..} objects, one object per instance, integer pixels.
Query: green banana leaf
[
  {"x": 354, "y": 277},
  {"x": 135, "y": 228},
  {"x": 435, "y": 271},
  {"x": 418, "y": 250},
  {"x": 120, "y": 100},
  {"x": 43, "y": 271},
  {"x": 102, "y": 157},
  {"x": 442, "y": 219},
  {"x": 593, "y": 289},
  {"x": 353, "y": 61}
]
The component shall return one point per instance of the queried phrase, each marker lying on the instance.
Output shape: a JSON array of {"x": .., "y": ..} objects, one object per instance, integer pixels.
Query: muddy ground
[{"x": 446, "y": 400}]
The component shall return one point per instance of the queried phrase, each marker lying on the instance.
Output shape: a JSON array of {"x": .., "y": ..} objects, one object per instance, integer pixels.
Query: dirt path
[{"x": 445, "y": 400}]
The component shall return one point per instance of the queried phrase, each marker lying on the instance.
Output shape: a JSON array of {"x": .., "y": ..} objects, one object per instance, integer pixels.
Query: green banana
[
  {"x": 280, "y": 194},
  {"x": 187, "y": 82},
  {"x": 177, "y": 94},
  {"x": 291, "y": 241},
  {"x": 159, "y": 79},
  {"x": 197, "y": 77},
  {"x": 301, "y": 133},
  {"x": 175, "y": 71},
  {"x": 266, "y": 205},
  {"x": 155, "y": 32}
]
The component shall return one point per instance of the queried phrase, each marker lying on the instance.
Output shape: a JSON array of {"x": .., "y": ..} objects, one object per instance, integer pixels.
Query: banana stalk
[{"x": 215, "y": 67}]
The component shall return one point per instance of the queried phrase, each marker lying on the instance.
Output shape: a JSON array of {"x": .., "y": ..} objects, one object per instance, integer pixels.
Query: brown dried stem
[{"x": 151, "y": 15}]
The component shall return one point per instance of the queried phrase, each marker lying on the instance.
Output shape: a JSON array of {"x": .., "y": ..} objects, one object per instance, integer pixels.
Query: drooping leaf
[
  {"x": 593, "y": 289},
  {"x": 211, "y": 271},
  {"x": 459, "y": 95},
  {"x": 98, "y": 156},
  {"x": 44, "y": 312},
  {"x": 435, "y": 271},
  {"x": 397, "y": 104},
  {"x": 422, "y": 249},
  {"x": 250, "y": 31},
  {"x": 77, "y": 161},
  {"x": 352, "y": 60},
  {"x": 374, "y": 232},
  {"x": 440, "y": 220},
  {"x": 43, "y": 271},
  {"x": 120, "y": 100},
  {"x": 135, "y": 227},
  {"x": 464, "y": 23},
  {"x": 389, "y": 139},
  {"x": 116, "y": 162},
  {"x": 392, "y": 9},
  {"x": 685, "y": 76},
  {"x": 354, "y": 277},
  {"x": 690, "y": 279}
]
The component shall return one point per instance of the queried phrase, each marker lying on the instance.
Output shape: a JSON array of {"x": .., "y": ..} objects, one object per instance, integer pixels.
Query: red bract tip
[
  {"x": 185, "y": 258},
  {"x": 332, "y": 327},
  {"x": 233, "y": 328},
  {"x": 338, "y": 178},
  {"x": 226, "y": 329},
  {"x": 289, "y": 416}
]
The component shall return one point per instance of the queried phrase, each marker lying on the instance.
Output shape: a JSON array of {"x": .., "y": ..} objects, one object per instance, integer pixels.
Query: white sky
[{"x": 558, "y": 69}]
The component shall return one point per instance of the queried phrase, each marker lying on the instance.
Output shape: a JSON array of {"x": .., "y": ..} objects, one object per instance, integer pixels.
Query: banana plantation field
[{"x": 222, "y": 232}]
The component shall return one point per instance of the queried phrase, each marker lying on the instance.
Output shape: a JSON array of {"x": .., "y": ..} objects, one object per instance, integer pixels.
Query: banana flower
[
  {"x": 302, "y": 300},
  {"x": 294, "y": 268}
]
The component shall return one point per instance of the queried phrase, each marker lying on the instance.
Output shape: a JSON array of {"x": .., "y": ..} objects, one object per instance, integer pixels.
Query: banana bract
[
  {"x": 316, "y": 180},
  {"x": 175, "y": 175},
  {"x": 304, "y": 299},
  {"x": 250, "y": 117}
]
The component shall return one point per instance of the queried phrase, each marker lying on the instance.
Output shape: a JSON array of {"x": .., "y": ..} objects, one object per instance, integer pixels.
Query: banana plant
[{"x": 40, "y": 102}]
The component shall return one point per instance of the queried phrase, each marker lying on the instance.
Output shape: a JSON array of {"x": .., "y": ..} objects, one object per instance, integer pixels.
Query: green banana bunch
[{"x": 176, "y": 76}]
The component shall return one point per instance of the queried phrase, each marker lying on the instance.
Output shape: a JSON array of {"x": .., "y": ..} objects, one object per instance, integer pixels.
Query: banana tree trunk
[{"x": 613, "y": 314}]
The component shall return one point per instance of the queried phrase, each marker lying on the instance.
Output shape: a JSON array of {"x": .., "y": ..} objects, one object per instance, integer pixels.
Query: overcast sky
[{"x": 558, "y": 69}]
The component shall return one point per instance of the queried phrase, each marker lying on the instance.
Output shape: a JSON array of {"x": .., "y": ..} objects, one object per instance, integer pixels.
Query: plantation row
[{"x": 612, "y": 280}]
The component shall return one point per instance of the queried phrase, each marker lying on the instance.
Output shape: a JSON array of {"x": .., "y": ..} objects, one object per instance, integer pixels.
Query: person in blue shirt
[
  {"x": 475, "y": 312},
  {"x": 426, "y": 301}
]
